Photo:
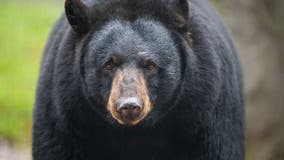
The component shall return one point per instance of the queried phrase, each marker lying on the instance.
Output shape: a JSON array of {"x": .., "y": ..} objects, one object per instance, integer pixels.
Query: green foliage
[{"x": 24, "y": 28}]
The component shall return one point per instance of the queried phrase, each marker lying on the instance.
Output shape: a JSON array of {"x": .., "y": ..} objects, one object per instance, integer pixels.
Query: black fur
[{"x": 196, "y": 90}]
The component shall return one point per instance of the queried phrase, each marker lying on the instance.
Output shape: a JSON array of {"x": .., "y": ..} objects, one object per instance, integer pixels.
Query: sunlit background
[{"x": 257, "y": 27}]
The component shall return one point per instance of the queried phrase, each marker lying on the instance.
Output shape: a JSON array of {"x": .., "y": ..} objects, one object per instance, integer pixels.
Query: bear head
[{"x": 130, "y": 56}]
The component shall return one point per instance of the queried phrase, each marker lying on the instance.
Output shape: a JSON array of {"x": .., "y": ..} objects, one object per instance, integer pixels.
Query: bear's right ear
[{"x": 77, "y": 14}]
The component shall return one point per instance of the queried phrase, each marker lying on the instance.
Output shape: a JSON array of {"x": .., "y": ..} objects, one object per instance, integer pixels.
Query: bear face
[
  {"x": 132, "y": 69},
  {"x": 130, "y": 60}
]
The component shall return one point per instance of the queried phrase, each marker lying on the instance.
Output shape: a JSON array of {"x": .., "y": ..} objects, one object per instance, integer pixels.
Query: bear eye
[
  {"x": 149, "y": 65},
  {"x": 110, "y": 64}
]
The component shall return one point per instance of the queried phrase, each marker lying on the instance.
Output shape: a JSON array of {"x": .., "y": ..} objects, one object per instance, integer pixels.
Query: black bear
[{"x": 139, "y": 80}]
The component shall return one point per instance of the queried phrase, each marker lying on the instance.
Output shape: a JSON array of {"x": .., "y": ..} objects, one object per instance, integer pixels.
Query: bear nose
[{"x": 130, "y": 109}]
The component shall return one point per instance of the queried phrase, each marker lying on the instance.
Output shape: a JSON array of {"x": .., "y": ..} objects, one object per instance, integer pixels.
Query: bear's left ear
[
  {"x": 77, "y": 14},
  {"x": 181, "y": 10}
]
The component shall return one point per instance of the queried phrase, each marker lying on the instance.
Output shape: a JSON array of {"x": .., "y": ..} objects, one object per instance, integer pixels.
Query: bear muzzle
[{"x": 129, "y": 102}]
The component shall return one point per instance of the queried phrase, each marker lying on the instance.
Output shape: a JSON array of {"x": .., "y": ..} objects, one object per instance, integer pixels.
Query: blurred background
[{"x": 256, "y": 25}]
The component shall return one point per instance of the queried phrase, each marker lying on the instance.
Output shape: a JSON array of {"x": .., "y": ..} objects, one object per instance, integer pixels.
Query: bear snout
[
  {"x": 129, "y": 102},
  {"x": 129, "y": 109}
]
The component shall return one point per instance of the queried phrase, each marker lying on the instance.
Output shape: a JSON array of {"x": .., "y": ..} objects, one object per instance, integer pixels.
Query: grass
[{"x": 24, "y": 29}]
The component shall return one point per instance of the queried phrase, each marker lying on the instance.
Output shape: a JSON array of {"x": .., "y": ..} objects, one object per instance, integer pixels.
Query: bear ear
[
  {"x": 77, "y": 14},
  {"x": 181, "y": 10}
]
